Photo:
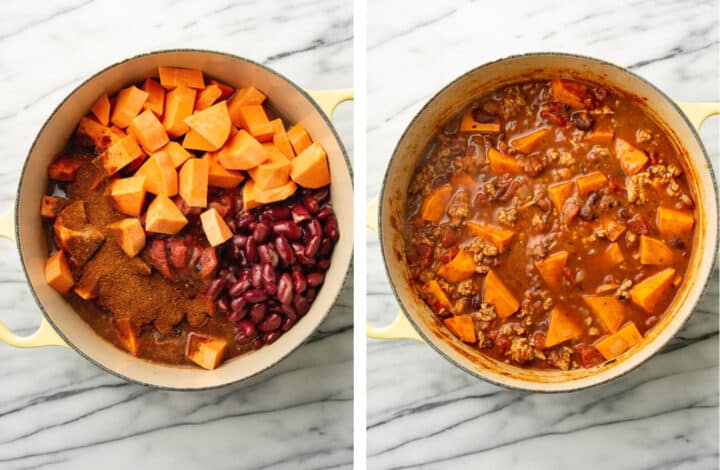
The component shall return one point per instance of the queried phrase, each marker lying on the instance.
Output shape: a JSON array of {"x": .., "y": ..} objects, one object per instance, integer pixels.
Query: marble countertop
[
  {"x": 59, "y": 411},
  {"x": 425, "y": 413}
]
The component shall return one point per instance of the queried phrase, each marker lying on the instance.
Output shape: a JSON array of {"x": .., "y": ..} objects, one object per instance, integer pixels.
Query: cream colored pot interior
[
  {"x": 447, "y": 103},
  {"x": 293, "y": 106}
]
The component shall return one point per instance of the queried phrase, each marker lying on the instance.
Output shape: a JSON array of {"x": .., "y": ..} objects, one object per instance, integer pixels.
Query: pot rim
[
  {"x": 380, "y": 225},
  {"x": 16, "y": 207}
]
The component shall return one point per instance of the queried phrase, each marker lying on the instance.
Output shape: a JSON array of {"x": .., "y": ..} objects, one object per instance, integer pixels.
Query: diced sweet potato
[
  {"x": 51, "y": 205},
  {"x": 173, "y": 77},
  {"x": 92, "y": 132},
  {"x": 212, "y": 124},
  {"x": 245, "y": 96},
  {"x": 179, "y": 104},
  {"x": 274, "y": 172},
  {"x": 148, "y": 131},
  {"x": 120, "y": 154},
  {"x": 614, "y": 230},
  {"x": 562, "y": 327},
  {"x": 64, "y": 169},
  {"x": 195, "y": 141},
  {"x": 433, "y": 288},
  {"x": 608, "y": 310},
  {"x": 648, "y": 292},
  {"x": 617, "y": 343},
  {"x": 674, "y": 222},
  {"x": 551, "y": 269},
  {"x": 310, "y": 168},
  {"x": 249, "y": 194},
  {"x": 469, "y": 124},
  {"x": 163, "y": 216},
  {"x": 280, "y": 138},
  {"x": 177, "y": 154},
  {"x": 207, "y": 97},
  {"x": 156, "y": 96},
  {"x": 654, "y": 251},
  {"x": 501, "y": 163},
  {"x": 79, "y": 243},
  {"x": 226, "y": 90},
  {"x": 280, "y": 193},
  {"x": 463, "y": 327},
  {"x": 253, "y": 119},
  {"x": 126, "y": 334},
  {"x": 86, "y": 288},
  {"x": 57, "y": 273},
  {"x": 219, "y": 176},
  {"x": 129, "y": 235},
  {"x": 528, "y": 142},
  {"x": 193, "y": 186},
  {"x": 602, "y": 134},
  {"x": 590, "y": 182},
  {"x": 128, "y": 195},
  {"x": 499, "y": 237},
  {"x": 216, "y": 230},
  {"x": 611, "y": 257},
  {"x": 160, "y": 176},
  {"x": 101, "y": 109},
  {"x": 569, "y": 92},
  {"x": 496, "y": 293},
  {"x": 559, "y": 193},
  {"x": 632, "y": 159},
  {"x": 461, "y": 267},
  {"x": 242, "y": 152},
  {"x": 433, "y": 206},
  {"x": 299, "y": 138},
  {"x": 128, "y": 104},
  {"x": 205, "y": 351},
  {"x": 459, "y": 180}
]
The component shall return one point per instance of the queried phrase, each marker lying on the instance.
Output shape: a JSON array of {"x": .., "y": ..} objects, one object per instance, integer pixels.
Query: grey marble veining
[
  {"x": 59, "y": 411},
  {"x": 425, "y": 413}
]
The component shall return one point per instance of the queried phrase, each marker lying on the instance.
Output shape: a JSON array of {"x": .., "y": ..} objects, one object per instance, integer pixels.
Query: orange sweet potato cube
[
  {"x": 173, "y": 77},
  {"x": 216, "y": 230},
  {"x": 461, "y": 267},
  {"x": 242, "y": 152},
  {"x": 212, "y": 124},
  {"x": 57, "y": 273},
  {"x": 310, "y": 168},
  {"x": 253, "y": 119},
  {"x": 128, "y": 104},
  {"x": 160, "y": 176},
  {"x": 551, "y": 269},
  {"x": 563, "y": 327},
  {"x": 156, "y": 96},
  {"x": 527, "y": 143},
  {"x": 219, "y": 176},
  {"x": 463, "y": 327},
  {"x": 101, "y": 109},
  {"x": 250, "y": 194},
  {"x": 501, "y": 163},
  {"x": 120, "y": 154},
  {"x": 163, "y": 216},
  {"x": 559, "y": 193},
  {"x": 266, "y": 196},
  {"x": 177, "y": 154},
  {"x": 274, "y": 172},
  {"x": 280, "y": 138},
  {"x": 193, "y": 186},
  {"x": 245, "y": 96},
  {"x": 128, "y": 195},
  {"x": 495, "y": 292},
  {"x": 195, "y": 141},
  {"x": 91, "y": 131},
  {"x": 632, "y": 159},
  {"x": 499, "y": 237},
  {"x": 148, "y": 131},
  {"x": 674, "y": 222},
  {"x": 608, "y": 309},
  {"x": 209, "y": 95},
  {"x": 590, "y": 182},
  {"x": 205, "y": 351},
  {"x": 179, "y": 104},
  {"x": 299, "y": 138},
  {"x": 51, "y": 205},
  {"x": 64, "y": 169},
  {"x": 617, "y": 343},
  {"x": 654, "y": 251},
  {"x": 433, "y": 206},
  {"x": 129, "y": 235},
  {"x": 127, "y": 335},
  {"x": 227, "y": 90},
  {"x": 648, "y": 292}
]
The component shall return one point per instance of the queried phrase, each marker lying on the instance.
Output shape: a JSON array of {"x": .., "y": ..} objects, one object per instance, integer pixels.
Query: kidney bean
[
  {"x": 257, "y": 313},
  {"x": 311, "y": 205},
  {"x": 315, "y": 279},
  {"x": 299, "y": 281},
  {"x": 326, "y": 247},
  {"x": 287, "y": 228},
  {"x": 287, "y": 323},
  {"x": 284, "y": 250},
  {"x": 304, "y": 260},
  {"x": 289, "y": 311},
  {"x": 241, "y": 285},
  {"x": 264, "y": 254},
  {"x": 269, "y": 279},
  {"x": 285, "y": 289},
  {"x": 255, "y": 296},
  {"x": 236, "y": 316},
  {"x": 261, "y": 232},
  {"x": 215, "y": 287},
  {"x": 331, "y": 228},
  {"x": 245, "y": 332},
  {"x": 238, "y": 304},
  {"x": 271, "y": 337},
  {"x": 321, "y": 194},
  {"x": 256, "y": 275},
  {"x": 223, "y": 303},
  {"x": 325, "y": 212},
  {"x": 271, "y": 323},
  {"x": 311, "y": 294},
  {"x": 251, "y": 253},
  {"x": 230, "y": 278},
  {"x": 301, "y": 304},
  {"x": 313, "y": 245},
  {"x": 277, "y": 213},
  {"x": 300, "y": 214},
  {"x": 257, "y": 343},
  {"x": 323, "y": 264},
  {"x": 243, "y": 221}
]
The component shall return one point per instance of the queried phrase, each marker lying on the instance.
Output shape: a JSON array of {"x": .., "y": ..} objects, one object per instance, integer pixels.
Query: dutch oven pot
[
  {"x": 61, "y": 326},
  {"x": 416, "y": 321}
]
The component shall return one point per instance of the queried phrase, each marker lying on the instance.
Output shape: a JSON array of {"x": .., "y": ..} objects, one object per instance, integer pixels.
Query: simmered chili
[{"x": 550, "y": 224}]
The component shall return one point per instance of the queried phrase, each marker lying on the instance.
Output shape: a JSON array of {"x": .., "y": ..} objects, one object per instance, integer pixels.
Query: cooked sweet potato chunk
[
  {"x": 266, "y": 196},
  {"x": 433, "y": 206},
  {"x": 632, "y": 159},
  {"x": 173, "y": 77},
  {"x": 310, "y": 168},
  {"x": 245, "y": 96},
  {"x": 163, "y": 216},
  {"x": 648, "y": 292},
  {"x": 563, "y": 327},
  {"x": 439, "y": 298},
  {"x": 569, "y": 92},
  {"x": 461, "y": 267},
  {"x": 551, "y": 268},
  {"x": 194, "y": 182},
  {"x": 654, "y": 251},
  {"x": 280, "y": 138},
  {"x": 242, "y": 152},
  {"x": 501, "y": 163},
  {"x": 57, "y": 273},
  {"x": 220, "y": 177},
  {"x": 128, "y": 195},
  {"x": 274, "y": 172},
  {"x": 129, "y": 235},
  {"x": 177, "y": 154},
  {"x": 64, "y": 169},
  {"x": 205, "y": 351},
  {"x": 51, "y": 205},
  {"x": 250, "y": 194},
  {"x": 559, "y": 193},
  {"x": 463, "y": 327},
  {"x": 617, "y": 343},
  {"x": 590, "y": 182},
  {"x": 253, "y": 119},
  {"x": 101, "y": 109},
  {"x": 212, "y": 124},
  {"x": 528, "y": 142},
  {"x": 207, "y": 97},
  {"x": 156, "y": 97},
  {"x": 179, "y": 104},
  {"x": 148, "y": 131},
  {"x": 495, "y": 292},
  {"x": 216, "y": 230},
  {"x": 160, "y": 176},
  {"x": 607, "y": 309},
  {"x": 120, "y": 154},
  {"x": 299, "y": 138},
  {"x": 127, "y": 335},
  {"x": 674, "y": 222},
  {"x": 468, "y": 123},
  {"x": 128, "y": 104},
  {"x": 499, "y": 237}
]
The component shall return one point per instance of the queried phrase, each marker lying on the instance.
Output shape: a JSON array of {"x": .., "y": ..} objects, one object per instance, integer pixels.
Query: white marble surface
[
  {"x": 59, "y": 411},
  {"x": 425, "y": 413}
]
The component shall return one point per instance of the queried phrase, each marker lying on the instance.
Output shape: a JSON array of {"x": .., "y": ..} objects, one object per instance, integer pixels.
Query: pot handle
[
  {"x": 329, "y": 99},
  {"x": 45, "y": 335},
  {"x": 400, "y": 327},
  {"x": 698, "y": 112}
]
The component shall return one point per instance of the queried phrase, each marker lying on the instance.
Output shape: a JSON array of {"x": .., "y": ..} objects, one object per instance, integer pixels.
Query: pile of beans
[{"x": 270, "y": 272}]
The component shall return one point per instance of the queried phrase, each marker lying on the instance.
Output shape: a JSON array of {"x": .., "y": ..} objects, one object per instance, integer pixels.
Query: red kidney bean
[
  {"x": 321, "y": 194},
  {"x": 313, "y": 228},
  {"x": 300, "y": 214},
  {"x": 277, "y": 213},
  {"x": 299, "y": 281},
  {"x": 284, "y": 250},
  {"x": 315, "y": 279},
  {"x": 243, "y": 221},
  {"x": 331, "y": 228},
  {"x": 323, "y": 264},
  {"x": 269, "y": 279},
  {"x": 301, "y": 304},
  {"x": 255, "y": 296},
  {"x": 242, "y": 284},
  {"x": 289, "y": 311},
  {"x": 287, "y": 323},
  {"x": 271, "y": 323},
  {"x": 285, "y": 289},
  {"x": 223, "y": 303},
  {"x": 251, "y": 253},
  {"x": 288, "y": 229},
  {"x": 271, "y": 337},
  {"x": 264, "y": 254},
  {"x": 313, "y": 245},
  {"x": 257, "y": 313},
  {"x": 311, "y": 294},
  {"x": 256, "y": 275},
  {"x": 326, "y": 247},
  {"x": 261, "y": 232},
  {"x": 325, "y": 212},
  {"x": 242, "y": 338},
  {"x": 257, "y": 343},
  {"x": 236, "y": 316},
  {"x": 311, "y": 204},
  {"x": 215, "y": 287}
]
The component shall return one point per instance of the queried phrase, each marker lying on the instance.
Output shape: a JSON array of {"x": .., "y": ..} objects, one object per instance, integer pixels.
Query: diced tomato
[
  {"x": 177, "y": 251},
  {"x": 589, "y": 356},
  {"x": 208, "y": 262},
  {"x": 158, "y": 258},
  {"x": 503, "y": 344}
]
